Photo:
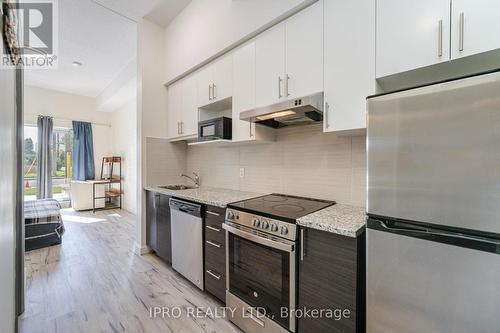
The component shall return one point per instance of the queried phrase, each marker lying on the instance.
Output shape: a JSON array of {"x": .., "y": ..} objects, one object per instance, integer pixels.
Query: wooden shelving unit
[{"x": 111, "y": 193}]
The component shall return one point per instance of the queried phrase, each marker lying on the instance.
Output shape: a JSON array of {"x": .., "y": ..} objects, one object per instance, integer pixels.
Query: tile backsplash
[{"x": 303, "y": 161}]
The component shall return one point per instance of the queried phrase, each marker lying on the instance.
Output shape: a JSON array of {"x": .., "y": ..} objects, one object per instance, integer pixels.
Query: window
[
  {"x": 30, "y": 162},
  {"x": 62, "y": 147}
]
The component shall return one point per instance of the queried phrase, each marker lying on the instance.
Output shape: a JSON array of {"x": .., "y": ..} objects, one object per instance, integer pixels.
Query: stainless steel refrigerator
[{"x": 433, "y": 235}]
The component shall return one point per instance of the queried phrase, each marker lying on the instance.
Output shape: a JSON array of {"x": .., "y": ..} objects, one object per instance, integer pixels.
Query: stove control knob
[
  {"x": 230, "y": 215},
  {"x": 284, "y": 230},
  {"x": 264, "y": 225},
  {"x": 256, "y": 222},
  {"x": 274, "y": 227}
]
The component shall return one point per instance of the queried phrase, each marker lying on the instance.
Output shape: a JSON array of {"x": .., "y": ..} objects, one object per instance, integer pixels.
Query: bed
[{"x": 43, "y": 224}]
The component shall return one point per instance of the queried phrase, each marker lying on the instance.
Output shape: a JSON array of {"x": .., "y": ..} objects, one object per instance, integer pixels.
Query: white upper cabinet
[
  {"x": 304, "y": 52},
  {"x": 215, "y": 81},
  {"x": 204, "y": 85},
  {"x": 270, "y": 65},
  {"x": 289, "y": 57},
  {"x": 349, "y": 63},
  {"x": 243, "y": 90},
  {"x": 174, "y": 109},
  {"x": 411, "y": 34},
  {"x": 189, "y": 118},
  {"x": 223, "y": 77},
  {"x": 182, "y": 108},
  {"x": 475, "y": 27}
]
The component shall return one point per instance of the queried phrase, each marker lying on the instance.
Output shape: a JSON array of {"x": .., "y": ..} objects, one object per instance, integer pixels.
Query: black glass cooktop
[{"x": 281, "y": 207}]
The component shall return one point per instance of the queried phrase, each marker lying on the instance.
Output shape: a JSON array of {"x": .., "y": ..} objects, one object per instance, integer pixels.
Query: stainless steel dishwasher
[{"x": 187, "y": 240}]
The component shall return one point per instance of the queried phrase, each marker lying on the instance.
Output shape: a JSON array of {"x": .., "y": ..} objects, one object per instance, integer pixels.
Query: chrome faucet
[{"x": 195, "y": 180}]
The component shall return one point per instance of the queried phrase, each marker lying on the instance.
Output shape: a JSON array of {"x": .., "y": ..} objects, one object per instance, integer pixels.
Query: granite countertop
[
  {"x": 207, "y": 195},
  {"x": 338, "y": 219}
]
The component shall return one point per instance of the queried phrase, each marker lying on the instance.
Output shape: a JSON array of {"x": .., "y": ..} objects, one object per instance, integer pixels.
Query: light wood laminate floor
[{"x": 95, "y": 282}]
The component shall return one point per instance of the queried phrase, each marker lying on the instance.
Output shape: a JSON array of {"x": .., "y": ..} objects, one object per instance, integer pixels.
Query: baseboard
[{"x": 141, "y": 250}]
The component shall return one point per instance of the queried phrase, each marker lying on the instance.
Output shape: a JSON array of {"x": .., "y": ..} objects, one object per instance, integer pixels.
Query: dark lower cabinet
[
  {"x": 215, "y": 253},
  {"x": 331, "y": 276},
  {"x": 158, "y": 225},
  {"x": 164, "y": 229},
  {"x": 151, "y": 228}
]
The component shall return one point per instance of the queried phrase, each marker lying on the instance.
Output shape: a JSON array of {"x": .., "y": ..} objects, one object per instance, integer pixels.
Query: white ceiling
[
  {"x": 166, "y": 11},
  {"x": 102, "y": 35}
]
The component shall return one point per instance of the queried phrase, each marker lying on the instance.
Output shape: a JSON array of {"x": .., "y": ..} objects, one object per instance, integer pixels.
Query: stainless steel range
[{"x": 261, "y": 260}]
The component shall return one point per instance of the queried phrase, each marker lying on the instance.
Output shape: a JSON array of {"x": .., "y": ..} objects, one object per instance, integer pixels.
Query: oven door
[{"x": 261, "y": 272}]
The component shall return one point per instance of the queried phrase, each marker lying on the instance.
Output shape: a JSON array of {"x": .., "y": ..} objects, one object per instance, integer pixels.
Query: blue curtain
[{"x": 83, "y": 151}]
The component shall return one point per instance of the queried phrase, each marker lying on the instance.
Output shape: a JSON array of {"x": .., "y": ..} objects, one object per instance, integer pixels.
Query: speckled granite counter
[
  {"x": 339, "y": 219},
  {"x": 207, "y": 195}
]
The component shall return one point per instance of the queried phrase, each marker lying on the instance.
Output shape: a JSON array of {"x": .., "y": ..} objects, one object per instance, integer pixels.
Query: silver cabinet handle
[
  {"x": 178, "y": 128},
  {"x": 182, "y": 127},
  {"x": 214, "y": 275},
  {"x": 440, "y": 38},
  {"x": 214, "y": 95},
  {"x": 212, "y": 228},
  {"x": 279, "y": 87},
  {"x": 461, "y": 38},
  {"x": 251, "y": 134},
  {"x": 327, "y": 109},
  {"x": 287, "y": 78},
  {"x": 212, "y": 213},
  {"x": 436, "y": 233},
  {"x": 302, "y": 245},
  {"x": 213, "y": 244}
]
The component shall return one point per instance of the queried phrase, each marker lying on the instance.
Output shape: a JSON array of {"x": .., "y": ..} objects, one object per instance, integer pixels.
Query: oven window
[
  {"x": 208, "y": 130},
  {"x": 260, "y": 276}
]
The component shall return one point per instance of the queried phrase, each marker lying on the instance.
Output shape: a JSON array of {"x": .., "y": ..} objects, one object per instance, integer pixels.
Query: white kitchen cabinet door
[
  {"x": 475, "y": 27},
  {"x": 410, "y": 34},
  {"x": 205, "y": 80},
  {"x": 243, "y": 90},
  {"x": 270, "y": 65},
  {"x": 174, "y": 109},
  {"x": 223, "y": 77},
  {"x": 349, "y": 63},
  {"x": 189, "y": 117},
  {"x": 304, "y": 52}
]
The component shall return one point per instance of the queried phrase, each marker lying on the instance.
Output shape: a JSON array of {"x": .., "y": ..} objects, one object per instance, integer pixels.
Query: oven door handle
[{"x": 260, "y": 240}]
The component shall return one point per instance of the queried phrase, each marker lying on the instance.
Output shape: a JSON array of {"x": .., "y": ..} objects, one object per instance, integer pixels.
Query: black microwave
[{"x": 215, "y": 129}]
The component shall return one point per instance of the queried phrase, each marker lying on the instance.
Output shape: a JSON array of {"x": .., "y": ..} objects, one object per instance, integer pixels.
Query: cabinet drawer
[
  {"x": 215, "y": 234},
  {"x": 216, "y": 211},
  {"x": 215, "y": 256},
  {"x": 215, "y": 216},
  {"x": 215, "y": 282}
]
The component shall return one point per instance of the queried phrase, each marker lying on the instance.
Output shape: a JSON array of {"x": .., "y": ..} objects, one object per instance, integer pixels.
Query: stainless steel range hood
[{"x": 299, "y": 111}]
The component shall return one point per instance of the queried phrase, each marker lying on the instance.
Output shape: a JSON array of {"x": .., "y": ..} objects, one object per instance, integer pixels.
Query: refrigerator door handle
[{"x": 434, "y": 233}]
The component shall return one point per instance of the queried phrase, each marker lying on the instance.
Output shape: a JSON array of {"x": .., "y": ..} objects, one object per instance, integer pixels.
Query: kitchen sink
[{"x": 177, "y": 187}]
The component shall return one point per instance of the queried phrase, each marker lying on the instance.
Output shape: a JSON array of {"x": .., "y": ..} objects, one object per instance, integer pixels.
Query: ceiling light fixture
[{"x": 76, "y": 63}]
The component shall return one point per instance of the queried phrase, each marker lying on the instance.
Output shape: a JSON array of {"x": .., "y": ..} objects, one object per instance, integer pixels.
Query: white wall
[
  {"x": 151, "y": 99},
  {"x": 124, "y": 144},
  {"x": 65, "y": 107},
  {"x": 207, "y": 27}
]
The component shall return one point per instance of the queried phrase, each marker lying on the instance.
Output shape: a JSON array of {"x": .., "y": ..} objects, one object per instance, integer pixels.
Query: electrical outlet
[{"x": 242, "y": 172}]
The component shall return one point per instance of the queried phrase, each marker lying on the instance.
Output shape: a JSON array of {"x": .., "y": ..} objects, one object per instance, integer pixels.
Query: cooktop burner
[{"x": 281, "y": 207}]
